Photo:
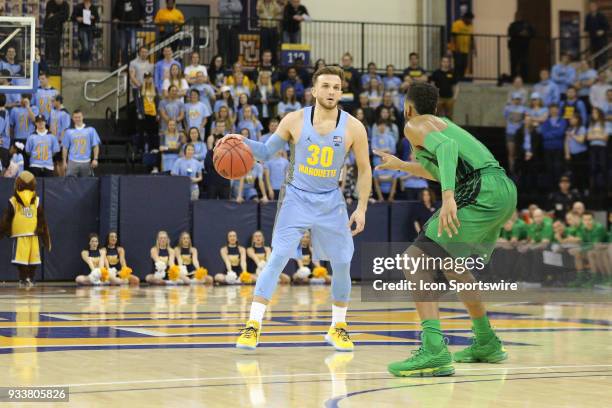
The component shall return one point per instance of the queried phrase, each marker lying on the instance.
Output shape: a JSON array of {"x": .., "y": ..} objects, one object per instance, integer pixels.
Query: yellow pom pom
[
  {"x": 201, "y": 273},
  {"x": 319, "y": 272},
  {"x": 104, "y": 275},
  {"x": 173, "y": 273},
  {"x": 125, "y": 273},
  {"x": 246, "y": 277}
]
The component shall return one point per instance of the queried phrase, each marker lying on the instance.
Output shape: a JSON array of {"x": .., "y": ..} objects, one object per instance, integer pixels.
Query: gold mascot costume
[{"x": 24, "y": 221}]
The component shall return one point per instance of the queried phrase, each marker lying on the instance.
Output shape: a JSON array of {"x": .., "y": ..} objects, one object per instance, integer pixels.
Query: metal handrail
[{"x": 122, "y": 79}]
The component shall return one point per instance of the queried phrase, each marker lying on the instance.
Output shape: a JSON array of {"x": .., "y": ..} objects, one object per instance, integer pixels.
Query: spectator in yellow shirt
[
  {"x": 169, "y": 20},
  {"x": 462, "y": 32}
]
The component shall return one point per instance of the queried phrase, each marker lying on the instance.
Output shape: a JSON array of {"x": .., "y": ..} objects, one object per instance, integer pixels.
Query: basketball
[{"x": 233, "y": 159}]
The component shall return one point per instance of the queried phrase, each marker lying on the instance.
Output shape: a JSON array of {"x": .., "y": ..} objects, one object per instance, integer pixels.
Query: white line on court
[{"x": 170, "y": 380}]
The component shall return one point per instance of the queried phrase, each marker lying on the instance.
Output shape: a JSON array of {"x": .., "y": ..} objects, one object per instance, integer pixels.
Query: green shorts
[{"x": 484, "y": 203}]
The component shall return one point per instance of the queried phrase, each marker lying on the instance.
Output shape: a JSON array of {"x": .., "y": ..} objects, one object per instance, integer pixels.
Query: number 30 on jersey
[{"x": 324, "y": 156}]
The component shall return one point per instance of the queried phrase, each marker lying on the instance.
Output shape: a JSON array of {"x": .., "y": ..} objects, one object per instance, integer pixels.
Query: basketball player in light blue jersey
[
  {"x": 320, "y": 138},
  {"x": 44, "y": 97}
]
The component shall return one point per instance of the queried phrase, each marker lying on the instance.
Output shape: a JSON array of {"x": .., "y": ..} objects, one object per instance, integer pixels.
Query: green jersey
[
  {"x": 539, "y": 232},
  {"x": 591, "y": 236},
  {"x": 518, "y": 231},
  {"x": 472, "y": 154}
]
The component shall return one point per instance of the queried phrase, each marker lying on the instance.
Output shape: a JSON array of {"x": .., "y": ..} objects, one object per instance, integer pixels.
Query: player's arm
[
  {"x": 364, "y": 173},
  {"x": 265, "y": 151}
]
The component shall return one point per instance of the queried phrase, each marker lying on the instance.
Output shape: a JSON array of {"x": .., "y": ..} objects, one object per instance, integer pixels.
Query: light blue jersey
[
  {"x": 23, "y": 125},
  {"x": 5, "y": 129},
  {"x": 187, "y": 168},
  {"x": 43, "y": 99},
  {"x": 60, "y": 122},
  {"x": 316, "y": 159},
  {"x": 79, "y": 143},
  {"x": 41, "y": 147}
]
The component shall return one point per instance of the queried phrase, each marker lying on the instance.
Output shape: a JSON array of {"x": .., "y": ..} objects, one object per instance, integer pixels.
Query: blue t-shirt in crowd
[
  {"x": 288, "y": 107},
  {"x": 14, "y": 69},
  {"x": 583, "y": 77},
  {"x": 385, "y": 179},
  {"x": 60, "y": 118},
  {"x": 206, "y": 90},
  {"x": 549, "y": 92},
  {"x": 5, "y": 129},
  {"x": 413, "y": 181},
  {"x": 22, "y": 123},
  {"x": 43, "y": 99},
  {"x": 19, "y": 161},
  {"x": 254, "y": 110},
  {"x": 366, "y": 78},
  {"x": 277, "y": 168},
  {"x": 200, "y": 150},
  {"x": 391, "y": 84},
  {"x": 195, "y": 113},
  {"x": 563, "y": 75},
  {"x": 173, "y": 109},
  {"x": 576, "y": 147},
  {"x": 248, "y": 189},
  {"x": 159, "y": 74},
  {"x": 383, "y": 141},
  {"x": 188, "y": 168},
  {"x": 41, "y": 148},
  {"x": 79, "y": 143},
  {"x": 253, "y": 127},
  {"x": 553, "y": 133},
  {"x": 514, "y": 115}
]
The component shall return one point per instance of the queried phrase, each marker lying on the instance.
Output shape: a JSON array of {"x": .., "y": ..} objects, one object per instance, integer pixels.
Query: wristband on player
[
  {"x": 265, "y": 151},
  {"x": 447, "y": 153}
]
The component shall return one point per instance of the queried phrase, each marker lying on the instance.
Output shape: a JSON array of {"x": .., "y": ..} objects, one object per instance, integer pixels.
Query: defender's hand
[
  {"x": 447, "y": 219},
  {"x": 389, "y": 161}
]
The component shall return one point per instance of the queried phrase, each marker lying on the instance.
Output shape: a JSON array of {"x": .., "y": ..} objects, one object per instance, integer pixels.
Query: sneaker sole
[
  {"x": 495, "y": 358},
  {"x": 443, "y": 371},
  {"x": 331, "y": 343},
  {"x": 243, "y": 347}
]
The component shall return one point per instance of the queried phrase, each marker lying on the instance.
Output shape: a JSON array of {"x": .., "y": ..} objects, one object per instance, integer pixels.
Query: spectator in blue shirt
[
  {"x": 537, "y": 111},
  {"x": 366, "y": 78},
  {"x": 573, "y": 104},
  {"x": 188, "y": 166},
  {"x": 170, "y": 145},
  {"x": 576, "y": 151},
  {"x": 5, "y": 133},
  {"x": 207, "y": 92},
  {"x": 293, "y": 81},
  {"x": 243, "y": 100},
  {"x": 246, "y": 186},
  {"x": 196, "y": 113},
  {"x": 171, "y": 108},
  {"x": 382, "y": 140},
  {"x": 585, "y": 79},
  {"x": 514, "y": 113},
  {"x": 10, "y": 63},
  {"x": 17, "y": 163},
  {"x": 59, "y": 120},
  {"x": 41, "y": 146},
  {"x": 162, "y": 68},
  {"x": 44, "y": 96},
  {"x": 79, "y": 145},
  {"x": 275, "y": 170},
  {"x": 199, "y": 146},
  {"x": 391, "y": 81},
  {"x": 548, "y": 90},
  {"x": 251, "y": 123},
  {"x": 385, "y": 184},
  {"x": 553, "y": 138},
  {"x": 22, "y": 119},
  {"x": 289, "y": 102},
  {"x": 563, "y": 74},
  {"x": 410, "y": 186}
]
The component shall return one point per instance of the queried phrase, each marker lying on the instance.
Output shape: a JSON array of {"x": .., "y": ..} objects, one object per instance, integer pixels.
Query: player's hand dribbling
[
  {"x": 389, "y": 161},
  {"x": 357, "y": 218},
  {"x": 229, "y": 137},
  {"x": 447, "y": 219}
]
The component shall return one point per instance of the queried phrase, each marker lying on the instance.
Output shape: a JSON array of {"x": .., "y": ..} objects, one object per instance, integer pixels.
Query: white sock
[
  {"x": 257, "y": 312},
  {"x": 338, "y": 314}
]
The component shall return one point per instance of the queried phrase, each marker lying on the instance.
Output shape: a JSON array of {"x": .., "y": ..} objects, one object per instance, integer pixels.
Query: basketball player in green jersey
[{"x": 477, "y": 199}]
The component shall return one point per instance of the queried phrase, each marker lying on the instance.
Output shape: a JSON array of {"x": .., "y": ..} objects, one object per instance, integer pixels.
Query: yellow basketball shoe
[
  {"x": 338, "y": 337},
  {"x": 249, "y": 336}
]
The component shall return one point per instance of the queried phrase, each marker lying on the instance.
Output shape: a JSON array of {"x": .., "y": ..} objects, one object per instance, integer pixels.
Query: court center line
[{"x": 170, "y": 380}]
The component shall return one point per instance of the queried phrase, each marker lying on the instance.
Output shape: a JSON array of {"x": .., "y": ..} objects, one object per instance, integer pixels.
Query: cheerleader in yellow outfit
[
  {"x": 187, "y": 258},
  {"x": 94, "y": 257},
  {"x": 234, "y": 258},
  {"x": 24, "y": 221},
  {"x": 115, "y": 262}
]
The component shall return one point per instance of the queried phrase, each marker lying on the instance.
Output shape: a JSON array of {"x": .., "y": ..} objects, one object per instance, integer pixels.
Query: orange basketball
[{"x": 233, "y": 159}]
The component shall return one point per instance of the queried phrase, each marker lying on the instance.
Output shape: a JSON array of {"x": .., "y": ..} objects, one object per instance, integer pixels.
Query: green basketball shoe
[
  {"x": 424, "y": 363},
  {"x": 491, "y": 352}
]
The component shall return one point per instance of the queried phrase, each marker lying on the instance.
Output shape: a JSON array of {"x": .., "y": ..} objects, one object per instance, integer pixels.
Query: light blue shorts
[{"x": 323, "y": 214}]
